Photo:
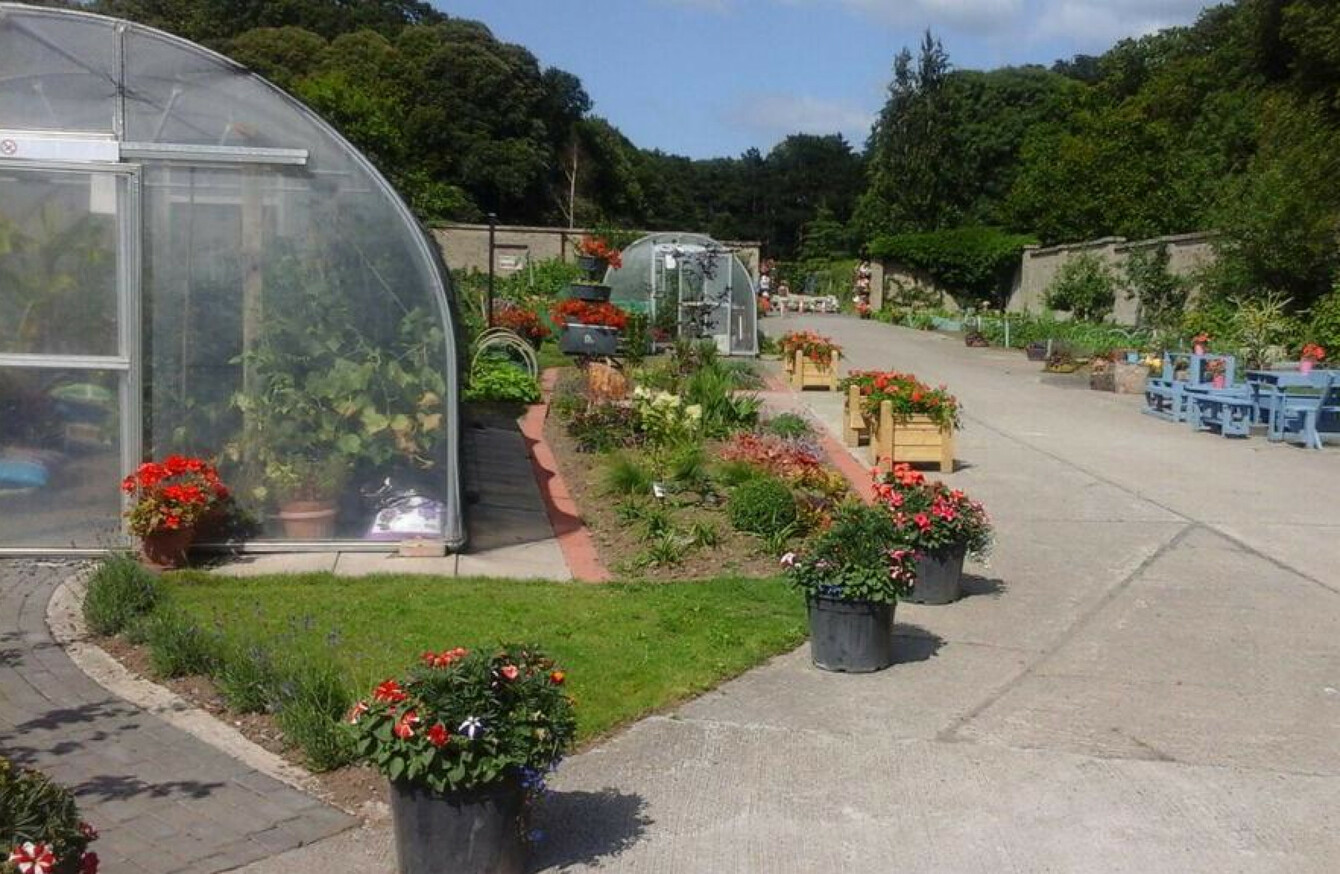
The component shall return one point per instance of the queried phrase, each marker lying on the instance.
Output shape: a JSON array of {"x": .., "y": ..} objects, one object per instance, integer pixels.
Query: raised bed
[
  {"x": 809, "y": 374},
  {"x": 911, "y": 439}
]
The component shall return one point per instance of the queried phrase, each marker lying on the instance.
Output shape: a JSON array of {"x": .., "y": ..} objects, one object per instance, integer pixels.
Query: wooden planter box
[
  {"x": 806, "y": 374},
  {"x": 916, "y": 439},
  {"x": 854, "y": 428}
]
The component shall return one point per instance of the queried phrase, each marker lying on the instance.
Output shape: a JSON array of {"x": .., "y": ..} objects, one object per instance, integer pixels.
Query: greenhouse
[
  {"x": 690, "y": 286},
  {"x": 192, "y": 262}
]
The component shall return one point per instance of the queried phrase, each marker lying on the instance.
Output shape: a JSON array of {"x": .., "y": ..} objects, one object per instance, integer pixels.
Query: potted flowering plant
[
  {"x": 1200, "y": 343},
  {"x": 588, "y": 328},
  {"x": 941, "y": 525},
  {"x": 41, "y": 831},
  {"x": 594, "y": 254},
  {"x": 852, "y": 575},
  {"x": 169, "y": 501},
  {"x": 908, "y": 421},
  {"x": 305, "y": 492},
  {"x": 1214, "y": 369},
  {"x": 524, "y": 322},
  {"x": 863, "y": 309},
  {"x": 465, "y": 740},
  {"x": 811, "y": 359},
  {"x": 1311, "y": 356}
]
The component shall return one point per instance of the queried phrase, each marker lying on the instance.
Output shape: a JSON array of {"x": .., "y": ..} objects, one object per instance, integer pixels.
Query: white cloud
[
  {"x": 1097, "y": 24},
  {"x": 776, "y": 115}
]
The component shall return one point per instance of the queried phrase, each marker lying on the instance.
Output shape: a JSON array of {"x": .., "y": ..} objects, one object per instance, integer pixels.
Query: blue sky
[{"x": 709, "y": 78}]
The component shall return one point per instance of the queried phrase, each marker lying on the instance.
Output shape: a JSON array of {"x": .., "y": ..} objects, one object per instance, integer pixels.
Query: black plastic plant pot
[
  {"x": 589, "y": 292},
  {"x": 1036, "y": 352},
  {"x": 476, "y": 832},
  {"x": 851, "y": 637},
  {"x": 939, "y": 577},
  {"x": 588, "y": 340},
  {"x": 591, "y": 264}
]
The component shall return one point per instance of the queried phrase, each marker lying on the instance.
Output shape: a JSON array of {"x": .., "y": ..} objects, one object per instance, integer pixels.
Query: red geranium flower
[
  {"x": 389, "y": 692},
  {"x": 438, "y": 735},
  {"x": 88, "y": 864}
]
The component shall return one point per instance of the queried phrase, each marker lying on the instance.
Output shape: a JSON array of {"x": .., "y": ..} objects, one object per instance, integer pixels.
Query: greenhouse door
[{"x": 69, "y": 330}]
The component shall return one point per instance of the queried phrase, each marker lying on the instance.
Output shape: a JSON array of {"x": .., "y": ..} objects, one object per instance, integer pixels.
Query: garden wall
[
  {"x": 466, "y": 246},
  {"x": 1038, "y": 267}
]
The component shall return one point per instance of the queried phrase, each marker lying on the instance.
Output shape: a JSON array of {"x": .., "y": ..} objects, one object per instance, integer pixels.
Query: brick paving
[{"x": 162, "y": 800}]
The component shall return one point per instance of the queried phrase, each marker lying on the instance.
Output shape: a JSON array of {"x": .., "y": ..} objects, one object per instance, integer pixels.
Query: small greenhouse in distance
[
  {"x": 690, "y": 286},
  {"x": 193, "y": 262}
]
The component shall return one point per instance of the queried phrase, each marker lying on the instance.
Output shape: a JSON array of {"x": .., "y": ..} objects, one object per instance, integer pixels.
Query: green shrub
[
  {"x": 178, "y": 646},
  {"x": 1323, "y": 325},
  {"x": 494, "y": 379},
  {"x": 713, "y": 388},
  {"x": 762, "y": 505},
  {"x": 625, "y": 475},
  {"x": 788, "y": 425},
  {"x": 974, "y": 263},
  {"x": 735, "y": 472},
  {"x": 310, "y": 708},
  {"x": 119, "y": 591},
  {"x": 246, "y": 677},
  {"x": 1085, "y": 286},
  {"x": 35, "y": 809}
]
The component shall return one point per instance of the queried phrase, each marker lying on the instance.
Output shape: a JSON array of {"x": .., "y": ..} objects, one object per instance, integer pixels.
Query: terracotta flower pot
[
  {"x": 308, "y": 520},
  {"x": 166, "y": 549}
]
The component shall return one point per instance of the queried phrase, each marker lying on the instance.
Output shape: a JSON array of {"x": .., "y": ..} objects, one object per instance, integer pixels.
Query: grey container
[
  {"x": 477, "y": 832},
  {"x": 939, "y": 577},
  {"x": 854, "y": 637},
  {"x": 589, "y": 291},
  {"x": 588, "y": 340}
]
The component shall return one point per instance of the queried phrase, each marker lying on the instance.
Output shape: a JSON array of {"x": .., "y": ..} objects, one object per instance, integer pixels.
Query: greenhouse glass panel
[
  {"x": 293, "y": 320},
  {"x": 691, "y": 286},
  {"x": 57, "y": 73}
]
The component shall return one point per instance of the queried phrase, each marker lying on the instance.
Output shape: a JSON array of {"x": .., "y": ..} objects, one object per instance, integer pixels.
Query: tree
[{"x": 1084, "y": 285}]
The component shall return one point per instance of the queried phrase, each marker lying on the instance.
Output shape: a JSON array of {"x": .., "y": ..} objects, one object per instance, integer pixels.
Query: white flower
[
  {"x": 694, "y": 411},
  {"x": 788, "y": 559},
  {"x": 641, "y": 393}
]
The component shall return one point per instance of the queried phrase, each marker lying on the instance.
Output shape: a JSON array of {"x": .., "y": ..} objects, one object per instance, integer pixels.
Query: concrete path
[
  {"x": 163, "y": 801},
  {"x": 1145, "y": 679}
]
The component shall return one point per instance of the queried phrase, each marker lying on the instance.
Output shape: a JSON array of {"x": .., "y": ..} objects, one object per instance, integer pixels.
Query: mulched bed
[{"x": 620, "y": 544}]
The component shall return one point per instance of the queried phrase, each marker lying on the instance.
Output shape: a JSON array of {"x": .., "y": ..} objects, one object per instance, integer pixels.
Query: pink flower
[
  {"x": 88, "y": 831},
  {"x": 788, "y": 559},
  {"x": 31, "y": 858},
  {"x": 923, "y": 521},
  {"x": 357, "y": 711},
  {"x": 510, "y": 672}
]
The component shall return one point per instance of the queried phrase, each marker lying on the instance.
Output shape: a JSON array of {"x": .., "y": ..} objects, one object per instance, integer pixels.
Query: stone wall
[
  {"x": 466, "y": 246},
  {"x": 1187, "y": 253}
]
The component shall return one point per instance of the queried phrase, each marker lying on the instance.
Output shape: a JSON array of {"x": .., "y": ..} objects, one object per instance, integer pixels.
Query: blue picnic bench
[
  {"x": 1297, "y": 406},
  {"x": 1166, "y": 395}
]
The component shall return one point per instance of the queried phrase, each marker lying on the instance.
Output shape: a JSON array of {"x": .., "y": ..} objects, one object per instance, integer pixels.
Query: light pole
[{"x": 493, "y": 226}]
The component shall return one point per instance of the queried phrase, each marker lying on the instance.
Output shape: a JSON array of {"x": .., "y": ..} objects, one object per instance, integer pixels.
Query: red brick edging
[{"x": 574, "y": 538}]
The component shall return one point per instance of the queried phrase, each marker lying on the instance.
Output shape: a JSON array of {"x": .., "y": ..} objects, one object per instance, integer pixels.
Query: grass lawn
[{"x": 630, "y": 648}]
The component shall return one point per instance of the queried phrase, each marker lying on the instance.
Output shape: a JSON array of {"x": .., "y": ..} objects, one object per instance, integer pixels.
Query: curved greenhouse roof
[
  {"x": 204, "y": 266},
  {"x": 692, "y": 286}
]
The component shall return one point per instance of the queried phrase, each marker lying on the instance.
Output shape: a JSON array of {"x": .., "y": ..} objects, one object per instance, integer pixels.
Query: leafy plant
[
  {"x": 626, "y": 475},
  {"x": 247, "y": 677},
  {"x": 178, "y": 645},
  {"x": 41, "y": 830},
  {"x": 502, "y": 381},
  {"x": 858, "y": 558},
  {"x": 312, "y": 700},
  {"x": 119, "y": 591},
  {"x": 175, "y": 495},
  {"x": 656, "y": 522},
  {"x": 930, "y": 517},
  {"x": 467, "y": 720},
  {"x": 604, "y": 426},
  {"x": 704, "y": 534},
  {"x": 788, "y": 425},
  {"x": 1084, "y": 285},
  {"x": 908, "y": 395},
  {"x": 1323, "y": 326},
  {"x": 1161, "y": 293},
  {"x": 762, "y": 505},
  {"x": 665, "y": 550},
  {"x": 1264, "y": 328}
]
